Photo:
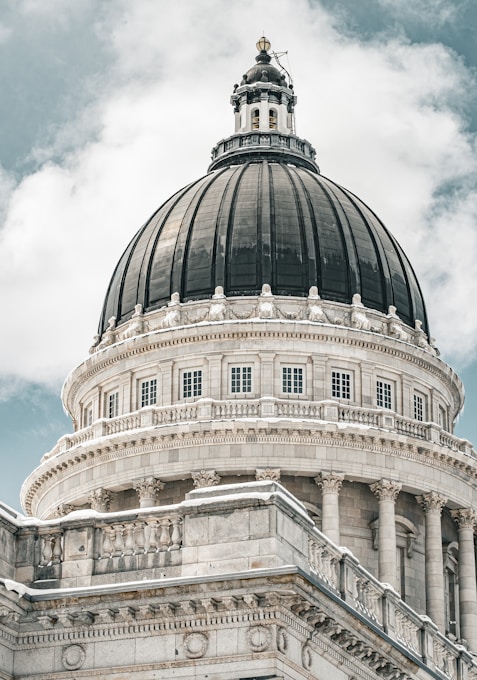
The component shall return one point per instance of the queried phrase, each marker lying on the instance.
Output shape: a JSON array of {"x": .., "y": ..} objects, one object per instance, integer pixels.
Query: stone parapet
[{"x": 253, "y": 550}]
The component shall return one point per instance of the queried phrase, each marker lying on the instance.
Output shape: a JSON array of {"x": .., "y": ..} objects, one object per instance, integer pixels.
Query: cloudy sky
[{"x": 109, "y": 106}]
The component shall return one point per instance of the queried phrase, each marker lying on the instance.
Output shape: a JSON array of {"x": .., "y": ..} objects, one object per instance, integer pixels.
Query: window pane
[
  {"x": 292, "y": 380},
  {"x": 191, "y": 384},
  {"x": 341, "y": 385},
  {"x": 383, "y": 394}
]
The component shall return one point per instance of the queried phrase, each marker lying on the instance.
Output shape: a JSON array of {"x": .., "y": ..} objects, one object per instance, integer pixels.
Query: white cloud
[
  {"x": 382, "y": 117},
  {"x": 430, "y": 12}
]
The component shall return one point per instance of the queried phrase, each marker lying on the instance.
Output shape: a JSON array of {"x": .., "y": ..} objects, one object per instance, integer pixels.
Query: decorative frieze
[
  {"x": 73, "y": 657},
  {"x": 195, "y": 645}
]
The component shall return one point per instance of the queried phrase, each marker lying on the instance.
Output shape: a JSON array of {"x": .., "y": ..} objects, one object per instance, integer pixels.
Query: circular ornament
[
  {"x": 282, "y": 640},
  {"x": 73, "y": 657},
  {"x": 195, "y": 645},
  {"x": 259, "y": 638},
  {"x": 306, "y": 658}
]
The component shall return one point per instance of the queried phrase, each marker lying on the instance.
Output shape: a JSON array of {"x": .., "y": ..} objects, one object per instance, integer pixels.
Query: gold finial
[{"x": 263, "y": 44}]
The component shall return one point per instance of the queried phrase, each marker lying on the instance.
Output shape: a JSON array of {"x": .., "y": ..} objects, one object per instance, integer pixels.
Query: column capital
[
  {"x": 270, "y": 474},
  {"x": 148, "y": 488},
  {"x": 432, "y": 501},
  {"x": 205, "y": 478},
  {"x": 465, "y": 517},
  {"x": 386, "y": 489},
  {"x": 100, "y": 500},
  {"x": 330, "y": 482}
]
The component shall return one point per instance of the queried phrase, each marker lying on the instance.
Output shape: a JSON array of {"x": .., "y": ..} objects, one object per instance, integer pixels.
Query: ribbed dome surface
[{"x": 263, "y": 222}]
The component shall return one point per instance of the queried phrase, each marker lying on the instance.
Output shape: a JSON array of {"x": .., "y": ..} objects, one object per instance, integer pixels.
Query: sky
[{"x": 107, "y": 107}]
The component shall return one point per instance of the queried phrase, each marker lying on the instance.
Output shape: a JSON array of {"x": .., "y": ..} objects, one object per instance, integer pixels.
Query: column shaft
[
  {"x": 432, "y": 504},
  {"x": 330, "y": 484},
  {"x": 387, "y": 492},
  {"x": 465, "y": 519}
]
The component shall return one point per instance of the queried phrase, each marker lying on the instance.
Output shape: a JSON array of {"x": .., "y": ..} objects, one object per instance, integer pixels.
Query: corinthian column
[
  {"x": 432, "y": 504},
  {"x": 330, "y": 483},
  {"x": 387, "y": 492},
  {"x": 465, "y": 519},
  {"x": 100, "y": 500},
  {"x": 148, "y": 490}
]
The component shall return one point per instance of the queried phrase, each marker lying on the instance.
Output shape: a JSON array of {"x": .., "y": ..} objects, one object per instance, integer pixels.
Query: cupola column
[
  {"x": 330, "y": 484},
  {"x": 465, "y": 519},
  {"x": 387, "y": 491},
  {"x": 432, "y": 504}
]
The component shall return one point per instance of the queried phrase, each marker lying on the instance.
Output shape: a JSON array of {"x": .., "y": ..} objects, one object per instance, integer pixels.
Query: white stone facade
[{"x": 223, "y": 450}]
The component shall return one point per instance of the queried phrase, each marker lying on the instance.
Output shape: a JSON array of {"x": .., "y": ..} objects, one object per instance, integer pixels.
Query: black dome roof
[{"x": 263, "y": 221}]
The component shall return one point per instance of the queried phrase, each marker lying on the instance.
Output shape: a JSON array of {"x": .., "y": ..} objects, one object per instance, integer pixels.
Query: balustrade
[{"x": 139, "y": 537}]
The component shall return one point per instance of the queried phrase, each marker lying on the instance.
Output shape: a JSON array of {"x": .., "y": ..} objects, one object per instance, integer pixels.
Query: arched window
[
  {"x": 255, "y": 119},
  {"x": 272, "y": 119}
]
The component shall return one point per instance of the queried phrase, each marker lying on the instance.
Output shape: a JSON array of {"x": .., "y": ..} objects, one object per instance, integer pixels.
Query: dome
[
  {"x": 263, "y": 215},
  {"x": 263, "y": 222}
]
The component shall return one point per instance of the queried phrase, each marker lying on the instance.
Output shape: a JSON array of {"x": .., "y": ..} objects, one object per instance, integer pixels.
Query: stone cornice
[
  {"x": 123, "y": 445},
  {"x": 278, "y": 602}
]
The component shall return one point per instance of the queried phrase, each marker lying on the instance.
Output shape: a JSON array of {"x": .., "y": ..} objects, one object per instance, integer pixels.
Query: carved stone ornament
[
  {"x": 282, "y": 640},
  {"x": 330, "y": 482},
  {"x": 63, "y": 509},
  {"x": 259, "y": 638},
  {"x": 386, "y": 490},
  {"x": 267, "y": 474},
  {"x": 100, "y": 500},
  {"x": 465, "y": 517},
  {"x": 205, "y": 478},
  {"x": 73, "y": 657},
  {"x": 195, "y": 645},
  {"x": 266, "y": 306},
  {"x": 148, "y": 488},
  {"x": 306, "y": 656},
  {"x": 432, "y": 501}
]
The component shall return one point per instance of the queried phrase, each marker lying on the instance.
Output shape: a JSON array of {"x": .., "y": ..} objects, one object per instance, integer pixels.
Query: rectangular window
[
  {"x": 442, "y": 417},
  {"x": 292, "y": 380},
  {"x": 88, "y": 416},
  {"x": 148, "y": 392},
  {"x": 384, "y": 394},
  {"x": 113, "y": 405},
  {"x": 240, "y": 379},
  {"x": 418, "y": 407},
  {"x": 191, "y": 384},
  {"x": 340, "y": 385}
]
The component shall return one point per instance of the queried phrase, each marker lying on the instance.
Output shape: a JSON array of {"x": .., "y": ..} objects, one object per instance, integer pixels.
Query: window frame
[
  {"x": 147, "y": 392},
  {"x": 194, "y": 385},
  {"x": 340, "y": 388},
  {"x": 295, "y": 383},
  {"x": 240, "y": 379},
  {"x": 112, "y": 403},
  {"x": 385, "y": 400}
]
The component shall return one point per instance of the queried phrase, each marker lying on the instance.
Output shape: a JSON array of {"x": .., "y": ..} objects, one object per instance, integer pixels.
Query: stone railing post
[
  {"x": 330, "y": 483},
  {"x": 432, "y": 504},
  {"x": 387, "y": 491},
  {"x": 465, "y": 519}
]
